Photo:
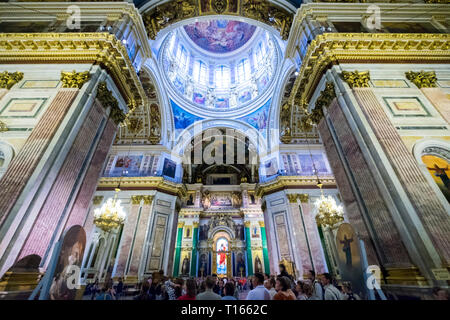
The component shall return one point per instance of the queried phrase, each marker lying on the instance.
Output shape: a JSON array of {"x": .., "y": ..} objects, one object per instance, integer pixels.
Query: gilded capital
[
  {"x": 7, "y": 79},
  {"x": 106, "y": 98},
  {"x": 136, "y": 199},
  {"x": 148, "y": 199},
  {"x": 195, "y": 224},
  {"x": 74, "y": 79},
  {"x": 247, "y": 224},
  {"x": 292, "y": 197},
  {"x": 357, "y": 79},
  {"x": 422, "y": 79},
  {"x": 97, "y": 200},
  {"x": 261, "y": 224},
  {"x": 180, "y": 225}
]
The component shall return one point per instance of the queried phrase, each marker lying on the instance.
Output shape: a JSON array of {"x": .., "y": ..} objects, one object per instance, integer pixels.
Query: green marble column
[
  {"x": 249, "y": 248},
  {"x": 264, "y": 245},
  {"x": 194, "y": 250},
  {"x": 176, "y": 265}
]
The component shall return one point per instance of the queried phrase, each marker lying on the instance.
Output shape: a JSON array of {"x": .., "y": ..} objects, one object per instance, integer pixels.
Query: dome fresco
[{"x": 219, "y": 36}]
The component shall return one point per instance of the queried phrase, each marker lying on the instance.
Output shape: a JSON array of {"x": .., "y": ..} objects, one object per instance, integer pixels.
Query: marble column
[
  {"x": 248, "y": 248},
  {"x": 176, "y": 264},
  {"x": 194, "y": 250},
  {"x": 264, "y": 247}
]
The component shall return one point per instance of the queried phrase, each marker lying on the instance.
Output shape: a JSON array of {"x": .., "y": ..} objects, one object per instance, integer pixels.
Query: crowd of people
[{"x": 258, "y": 287}]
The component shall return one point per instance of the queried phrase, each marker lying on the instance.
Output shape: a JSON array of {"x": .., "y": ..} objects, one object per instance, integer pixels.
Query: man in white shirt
[
  {"x": 269, "y": 284},
  {"x": 316, "y": 286},
  {"x": 331, "y": 292},
  {"x": 259, "y": 293}
]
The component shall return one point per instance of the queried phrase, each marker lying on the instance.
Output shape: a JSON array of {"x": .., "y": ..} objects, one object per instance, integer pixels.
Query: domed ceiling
[{"x": 219, "y": 36}]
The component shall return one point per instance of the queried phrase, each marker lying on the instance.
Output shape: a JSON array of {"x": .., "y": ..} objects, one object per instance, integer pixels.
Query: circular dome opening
[{"x": 219, "y": 65}]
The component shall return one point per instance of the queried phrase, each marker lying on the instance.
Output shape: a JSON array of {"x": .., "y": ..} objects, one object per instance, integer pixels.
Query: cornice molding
[
  {"x": 334, "y": 48},
  {"x": 99, "y": 48},
  {"x": 293, "y": 182},
  {"x": 143, "y": 183}
]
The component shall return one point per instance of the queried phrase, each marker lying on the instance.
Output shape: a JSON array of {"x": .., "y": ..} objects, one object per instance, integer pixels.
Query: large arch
[{"x": 278, "y": 16}]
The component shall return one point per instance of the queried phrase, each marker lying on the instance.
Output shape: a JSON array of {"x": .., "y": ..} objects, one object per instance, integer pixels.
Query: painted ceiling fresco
[{"x": 219, "y": 36}]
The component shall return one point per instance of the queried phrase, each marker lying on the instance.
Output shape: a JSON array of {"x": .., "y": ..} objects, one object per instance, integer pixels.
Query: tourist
[
  {"x": 259, "y": 292},
  {"x": 269, "y": 284},
  {"x": 347, "y": 292},
  {"x": 331, "y": 292},
  {"x": 440, "y": 294},
  {"x": 170, "y": 290},
  {"x": 283, "y": 271},
  {"x": 308, "y": 291},
  {"x": 178, "y": 287},
  {"x": 191, "y": 290},
  {"x": 283, "y": 287},
  {"x": 119, "y": 289},
  {"x": 94, "y": 289},
  {"x": 216, "y": 288},
  {"x": 229, "y": 291},
  {"x": 300, "y": 289},
  {"x": 104, "y": 295},
  {"x": 317, "y": 290},
  {"x": 209, "y": 294},
  {"x": 236, "y": 289},
  {"x": 144, "y": 292},
  {"x": 221, "y": 287}
]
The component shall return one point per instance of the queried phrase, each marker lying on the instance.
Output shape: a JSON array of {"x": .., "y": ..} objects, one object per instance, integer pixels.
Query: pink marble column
[
  {"x": 313, "y": 238},
  {"x": 430, "y": 210},
  {"x": 49, "y": 222},
  {"x": 24, "y": 163},
  {"x": 89, "y": 185},
  {"x": 128, "y": 232},
  {"x": 300, "y": 238},
  {"x": 139, "y": 240}
]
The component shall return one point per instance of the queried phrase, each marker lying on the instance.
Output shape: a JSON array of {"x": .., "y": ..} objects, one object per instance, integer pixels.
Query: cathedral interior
[{"x": 225, "y": 137}]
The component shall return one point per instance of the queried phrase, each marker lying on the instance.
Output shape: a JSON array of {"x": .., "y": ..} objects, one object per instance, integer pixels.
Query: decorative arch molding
[
  {"x": 221, "y": 232},
  {"x": 184, "y": 138},
  {"x": 163, "y": 15}
]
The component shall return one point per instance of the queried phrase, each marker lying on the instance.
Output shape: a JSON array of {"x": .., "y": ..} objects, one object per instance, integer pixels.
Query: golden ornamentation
[
  {"x": 422, "y": 79},
  {"x": 155, "y": 124},
  {"x": 292, "y": 197},
  {"x": 247, "y": 224},
  {"x": 181, "y": 225},
  {"x": 74, "y": 79},
  {"x": 195, "y": 224},
  {"x": 110, "y": 216},
  {"x": 107, "y": 99},
  {"x": 304, "y": 197},
  {"x": 163, "y": 15},
  {"x": 147, "y": 200},
  {"x": 329, "y": 213},
  {"x": 356, "y": 79},
  {"x": 7, "y": 79},
  {"x": 324, "y": 100},
  {"x": 261, "y": 224},
  {"x": 291, "y": 182},
  {"x": 333, "y": 48},
  {"x": 97, "y": 200},
  {"x": 136, "y": 200},
  {"x": 3, "y": 127},
  {"x": 97, "y": 48},
  {"x": 135, "y": 125},
  {"x": 405, "y": 276}
]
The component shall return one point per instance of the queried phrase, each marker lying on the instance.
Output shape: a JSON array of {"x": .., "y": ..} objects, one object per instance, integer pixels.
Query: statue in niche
[
  {"x": 258, "y": 265},
  {"x": 236, "y": 199},
  {"x": 206, "y": 200},
  {"x": 185, "y": 266},
  {"x": 203, "y": 266},
  {"x": 240, "y": 265},
  {"x": 347, "y": 249},
  {"x": 190, "y": 201}
]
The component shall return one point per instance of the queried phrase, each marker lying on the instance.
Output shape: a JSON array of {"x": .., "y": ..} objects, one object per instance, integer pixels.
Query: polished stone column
[
  {"x": 264, "y": 247},
  {"x": 176, "y": 264},
  {"x": 194, "y": 250},
  {"x": 248, "y": 248}
]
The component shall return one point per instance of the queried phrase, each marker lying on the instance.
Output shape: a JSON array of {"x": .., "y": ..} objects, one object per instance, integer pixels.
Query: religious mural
[
  {"x": 222, "y": 248},
  {"x": 440, "y": 171},
  {"x": 169, "y": 168},
  {"x": 271, "y": 167},
  {"x": 259, "y": 118},
  {"x": 203, "y": 265},
  {"x": 219, "y": 36},
  {"x": 126, "y": 166},
  {"x": 182, "y": 119},
  {"x": 307, "y": 167}
]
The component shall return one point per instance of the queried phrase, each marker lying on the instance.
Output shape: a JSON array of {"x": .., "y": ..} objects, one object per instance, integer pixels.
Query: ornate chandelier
[
  {"x": 111, "y": 215},
  {"x": 329, "y": 213}
]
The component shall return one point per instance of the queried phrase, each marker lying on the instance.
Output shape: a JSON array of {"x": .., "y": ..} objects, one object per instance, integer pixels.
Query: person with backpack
[
  {"x": 331, "y": 292},
  {"x": 317, "y": 290}
]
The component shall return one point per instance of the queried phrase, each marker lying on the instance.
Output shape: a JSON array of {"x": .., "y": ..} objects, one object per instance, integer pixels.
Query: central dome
[{"x": 219, "y": 36}]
